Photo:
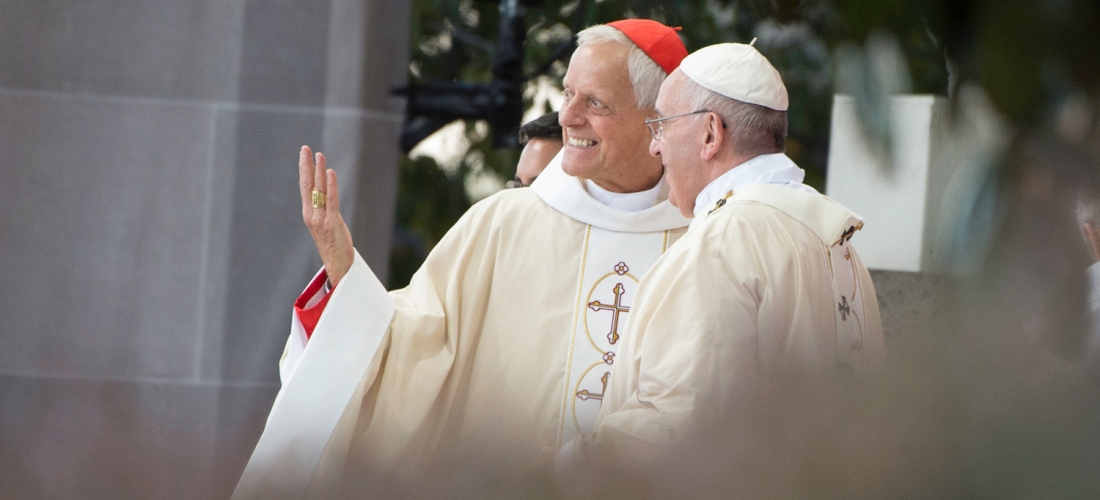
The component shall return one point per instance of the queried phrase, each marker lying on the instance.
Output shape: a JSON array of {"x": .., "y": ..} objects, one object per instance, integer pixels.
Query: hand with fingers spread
[{"x": 321, "y": 212}]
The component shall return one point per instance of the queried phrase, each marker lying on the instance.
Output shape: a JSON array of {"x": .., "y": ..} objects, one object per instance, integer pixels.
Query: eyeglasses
[{"x": 659, "y": 130}]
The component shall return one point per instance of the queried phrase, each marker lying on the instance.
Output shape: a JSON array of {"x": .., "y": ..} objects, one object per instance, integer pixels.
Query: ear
[{"x": 715, "y": 135}]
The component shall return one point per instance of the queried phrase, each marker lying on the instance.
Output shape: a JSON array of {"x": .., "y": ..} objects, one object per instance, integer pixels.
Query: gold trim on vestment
[
  {"x": 858, "y": 282},
  {"x": 828, "y": 253},
  {"x": 856, "y": 290},
  {"x": 573, "y": 334}
]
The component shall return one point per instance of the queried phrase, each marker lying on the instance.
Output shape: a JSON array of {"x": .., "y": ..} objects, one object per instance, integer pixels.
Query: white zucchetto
[{"x": 737, "y": 71}]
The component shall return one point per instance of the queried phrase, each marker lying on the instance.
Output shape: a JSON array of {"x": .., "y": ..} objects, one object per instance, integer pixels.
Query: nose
[
  {"x": 654, "y": 147},
  {"x": 570, "y": 115}
]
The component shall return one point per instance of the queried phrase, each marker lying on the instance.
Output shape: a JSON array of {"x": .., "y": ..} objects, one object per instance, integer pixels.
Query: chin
[
  {"x": 674, "y": 201},
  {"x": 575, "y": 168}
]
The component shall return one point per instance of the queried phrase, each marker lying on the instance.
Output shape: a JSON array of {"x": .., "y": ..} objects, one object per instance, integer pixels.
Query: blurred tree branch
[{"x": 1028, "y": 56}]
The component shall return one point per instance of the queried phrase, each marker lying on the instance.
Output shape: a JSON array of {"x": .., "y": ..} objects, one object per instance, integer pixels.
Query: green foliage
[
  {"x": 452, "y": 40},
  {"x": 1025, "y": 53},
  {"x": 429, "y": 202}
]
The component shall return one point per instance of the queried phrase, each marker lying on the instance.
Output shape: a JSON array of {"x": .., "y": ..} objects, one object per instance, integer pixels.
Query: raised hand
[{"x": 324, "y": 222}]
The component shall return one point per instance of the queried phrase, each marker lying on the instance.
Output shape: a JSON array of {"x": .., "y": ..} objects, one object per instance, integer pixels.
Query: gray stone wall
[
  {"x": 913, "y": 307},
  {"x": 151, "y": 241}
]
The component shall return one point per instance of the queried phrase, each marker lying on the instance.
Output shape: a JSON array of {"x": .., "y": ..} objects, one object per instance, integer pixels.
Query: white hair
[
  {"x": 645, "y": 75},
  {"x": 758, "y": 129}
]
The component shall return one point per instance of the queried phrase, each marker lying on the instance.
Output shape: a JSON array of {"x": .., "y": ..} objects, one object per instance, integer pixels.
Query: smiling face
[
  {"x": 680, "y": 146},
  {"x": 605, "y": 133}
]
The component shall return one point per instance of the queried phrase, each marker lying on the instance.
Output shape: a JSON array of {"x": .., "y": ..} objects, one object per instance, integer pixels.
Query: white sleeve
[
  {"x": 323, "y": 379},
  {"x": 296, "y": 343}
]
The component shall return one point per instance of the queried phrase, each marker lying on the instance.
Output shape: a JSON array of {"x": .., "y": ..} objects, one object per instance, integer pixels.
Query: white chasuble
[
  {"x": 765, "y": 285},
  {"x": 496, "y": 350},
  {"x": 835, "y": 226}
]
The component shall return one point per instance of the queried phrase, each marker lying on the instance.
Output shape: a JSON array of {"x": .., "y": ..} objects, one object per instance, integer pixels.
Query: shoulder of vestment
[
  {"x": 825, "y": 218},
  {"x": 521, "y": 205}
]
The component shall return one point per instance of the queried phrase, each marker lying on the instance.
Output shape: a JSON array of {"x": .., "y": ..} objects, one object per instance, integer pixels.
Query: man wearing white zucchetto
[{"x": 764, "y": 286}]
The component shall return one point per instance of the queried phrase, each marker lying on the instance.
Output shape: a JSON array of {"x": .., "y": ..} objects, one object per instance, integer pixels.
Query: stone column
[{"x": 151, "y": 241}]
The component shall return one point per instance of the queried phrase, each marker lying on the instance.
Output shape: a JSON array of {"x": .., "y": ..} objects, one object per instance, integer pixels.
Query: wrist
[{"x": 335, "y": 274}]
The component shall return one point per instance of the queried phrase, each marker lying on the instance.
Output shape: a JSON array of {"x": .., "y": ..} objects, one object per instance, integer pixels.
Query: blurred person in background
[
  {"x": 542, "y": 140},
  {"x": 1088, "y": 218},
  {"x": 502, "y": 344},
  {"x": 764, "y": 289}
]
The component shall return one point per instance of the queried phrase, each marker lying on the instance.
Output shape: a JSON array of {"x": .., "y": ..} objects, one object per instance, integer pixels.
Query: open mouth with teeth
[{"x": 581, "y": 143}]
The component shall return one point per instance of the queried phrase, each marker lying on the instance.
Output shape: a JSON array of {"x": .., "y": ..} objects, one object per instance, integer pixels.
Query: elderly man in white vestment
[
  {"x": 765, "y": 285},
  {"x": 501, "y": 347}
]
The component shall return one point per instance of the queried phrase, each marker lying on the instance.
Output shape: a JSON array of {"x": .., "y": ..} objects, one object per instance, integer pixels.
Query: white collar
[
  {"x": 630, "y": 202},
  {"x": 568, "y": 195},
  {"x": 764, "y": 169}
]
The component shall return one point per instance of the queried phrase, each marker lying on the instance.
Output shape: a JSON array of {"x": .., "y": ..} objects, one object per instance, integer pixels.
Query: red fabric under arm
[{"x": 310, "y": 315}]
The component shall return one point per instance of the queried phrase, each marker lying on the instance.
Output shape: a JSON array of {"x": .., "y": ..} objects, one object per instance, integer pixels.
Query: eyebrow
[{"x": 604, "y": 98}]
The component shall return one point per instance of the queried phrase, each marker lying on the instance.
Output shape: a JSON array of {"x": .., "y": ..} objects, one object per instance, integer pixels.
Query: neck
[
  {"x": 721, "y": 164},
  {"x": 629, "y": 202},
  {"x": 631, "y": 182}
]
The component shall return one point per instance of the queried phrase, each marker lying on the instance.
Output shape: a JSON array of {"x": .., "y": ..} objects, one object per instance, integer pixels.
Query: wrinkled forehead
[
  {"x": 671, "y": 97},
  {"x": 599, "y": 67}
]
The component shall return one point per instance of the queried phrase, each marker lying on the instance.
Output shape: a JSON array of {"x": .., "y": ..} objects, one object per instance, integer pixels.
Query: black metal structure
[
  {"x": 432, "y": 105},
  {"x": 500, "y": 102}
]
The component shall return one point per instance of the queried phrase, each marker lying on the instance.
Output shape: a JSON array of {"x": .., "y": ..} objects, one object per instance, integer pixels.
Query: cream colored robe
[
  {"x": 460, "y": 382},
  {"x": 765, "y": 286}
]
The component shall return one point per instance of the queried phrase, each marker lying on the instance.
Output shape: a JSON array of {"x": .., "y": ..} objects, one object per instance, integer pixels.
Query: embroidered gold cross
[
  {"x": 721, "y": 203},
  {"x": 847, "y": 235},
  {"x": 585, "y": 395},
  {"x": 616, "y": 309},
  {"x": 843, "y": 308}
]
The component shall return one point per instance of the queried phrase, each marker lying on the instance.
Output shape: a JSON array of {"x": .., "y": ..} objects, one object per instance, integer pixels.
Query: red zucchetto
[{"x": 659, "y": 42}]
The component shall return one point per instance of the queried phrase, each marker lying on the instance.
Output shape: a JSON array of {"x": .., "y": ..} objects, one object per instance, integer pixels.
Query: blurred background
[{"x": 151, "y": 242}]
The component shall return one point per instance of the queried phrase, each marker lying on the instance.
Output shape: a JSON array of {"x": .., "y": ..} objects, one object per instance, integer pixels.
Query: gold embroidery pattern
[
  {"x": 721, "y": 203},
  {"x": 849, "y": 304},
  {"x": 603, "y": 312},
  {"x": 573, "y": 334},
  {"x": 587, "y": 395},
  {"x": 617, "y": 308},
  {"x": 857, "y": 292},
  {"x": 846, "y": 236}
]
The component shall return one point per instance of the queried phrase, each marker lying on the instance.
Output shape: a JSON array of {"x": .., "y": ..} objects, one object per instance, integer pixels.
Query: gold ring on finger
[{"x": 318, "y": 200}]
